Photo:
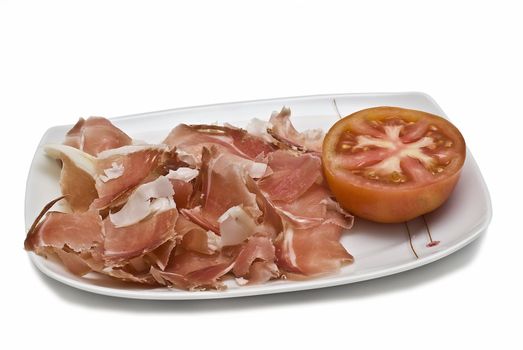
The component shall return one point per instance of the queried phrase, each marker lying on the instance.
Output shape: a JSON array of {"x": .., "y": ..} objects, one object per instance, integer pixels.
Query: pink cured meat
[
  {"x": 282, "y": 130},
  {"x": 192, "y": 270},
  {"x": 79, "y": 231},
  {"x": 137, "y": 167},
  {"x": 312, "y": 251},
  {"x": 291, "y": 175},
  {"x": 95, "y": 135},
  {"x": 312, "y": 225},
  {"x": 223, "y": 185},
  {"x": 131, "y": 241},
  {"x": 297, "y": 225},
  {"x": 308, "y": 210},
  {"x": 182, "y": 192},
  {"x": 192, "y": 139},
  {"x": 256, "y": 261},
  {"x": 75, "y": 238},
  {"x": 194, "y": 237}
]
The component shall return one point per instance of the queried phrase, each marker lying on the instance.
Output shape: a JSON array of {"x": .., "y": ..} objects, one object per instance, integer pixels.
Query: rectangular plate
[{"x": 379, "y": 249}]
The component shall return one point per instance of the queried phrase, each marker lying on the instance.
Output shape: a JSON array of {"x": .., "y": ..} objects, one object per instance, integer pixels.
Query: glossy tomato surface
[{"x": 390, "y": 164}]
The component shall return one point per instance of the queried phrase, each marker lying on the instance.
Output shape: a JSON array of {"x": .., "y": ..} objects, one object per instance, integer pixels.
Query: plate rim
[{"x": 334, "y": 280}]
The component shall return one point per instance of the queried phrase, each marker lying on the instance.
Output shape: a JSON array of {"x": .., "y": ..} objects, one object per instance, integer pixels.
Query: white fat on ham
[
  {"x": 80, "y": 159},
  {"x": 115, "y": 171},
  {"x": 236, "y": 226},
  {"x": 282, "y": 129},
  {"x": 183, "y": 173},
  {"x": 189, "y": 158},
  {"x": 124, "y": 150},
  {"x": 296, "y": 218},
  {"x": 241, "y": 281},
  {"x": 287, "y": 245},
  {"x": 214, "y": 242},
  {"x": 152, "y": 197},
  {"x": 258, "y": 127},
  {"x": 256, "y": 170}
]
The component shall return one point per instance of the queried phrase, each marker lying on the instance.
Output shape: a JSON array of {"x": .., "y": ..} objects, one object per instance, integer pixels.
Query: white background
[{"x": 60, "y": 61}]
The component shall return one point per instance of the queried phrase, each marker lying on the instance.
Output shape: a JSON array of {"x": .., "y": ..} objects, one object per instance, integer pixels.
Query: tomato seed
[{"x": 396, "y": 177}]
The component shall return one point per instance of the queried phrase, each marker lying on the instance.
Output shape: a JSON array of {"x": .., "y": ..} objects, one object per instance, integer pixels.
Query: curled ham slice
[
  {"x": 195, "y": 271},
  {"x": 281, "y": 128},
  {"x": 77, "y": 177},
  {"x": 189, "y": 142},
  {"x": 138, "y": 163},
  {"x": 181, "y": 180},
  {"x": 236, "y": 225},
  {"x": 75, "y": 238},
  {"x": 197, "y": 239},
  {"x": 309, "y": 242},
  {"x": 223, "y": 186},
  {"x": 312, "y": 251},
  {"x": 308, "y": 210},
  {"x": 84, "y": 180},
  {"x": 151, "y": 197},
  {"x": 95, "y": 135},
  {"x": 182, "y": 192},
  {"x": 78, "y": 231},
  {"x": 255, "y": 262}
]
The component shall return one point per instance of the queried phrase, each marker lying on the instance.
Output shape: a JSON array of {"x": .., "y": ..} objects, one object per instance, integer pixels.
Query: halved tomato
[{"x": 390, "y": 164}]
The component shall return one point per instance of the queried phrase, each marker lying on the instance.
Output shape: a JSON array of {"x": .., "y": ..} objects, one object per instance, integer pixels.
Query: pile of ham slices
[{"x": 208, "y": 204}]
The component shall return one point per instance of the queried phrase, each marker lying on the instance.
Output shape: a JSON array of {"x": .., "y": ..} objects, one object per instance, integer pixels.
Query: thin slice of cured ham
[
  {"x": 77, "y": 177},
  {"x": 138, "y": 164},
  {"x": 182, "y": 183},
  {"x": 197, "y": 239},
  {"x": 160, "y": 256},
  {"x": 108, "y": 179},
  {"x": 312, "y": 225},
  {"x": 312, "y": 251},
  {"x": 138, "y": 269},
  {"x": 127, "y": 242},
  {"x": 308, "y": 210},
  {"x": 281, "y": 128},
  {"x": 182, "y": 192},
  {"x": 189, "y": 142},
  {"x": 291, "y": 176},
  {"x": 270, "y": 222},
  {"x": 75, "y": 238},
  {"x": 147, "y": 199},
  {"x": 78, "y": 231},
  {"x": 223, "y": 186},
  {"x": 195, "y": 271},
  {"x": 95, "y": 135},
  {"x": 73, "y": 262},
  {"x": 255, "y": 262}
]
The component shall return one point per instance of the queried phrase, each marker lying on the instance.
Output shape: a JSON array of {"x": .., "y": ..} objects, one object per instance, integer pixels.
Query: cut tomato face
[{"x": 390, "y": 164}]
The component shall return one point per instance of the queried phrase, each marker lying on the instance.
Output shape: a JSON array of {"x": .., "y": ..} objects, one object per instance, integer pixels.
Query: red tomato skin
[{"x": 394, "y": 206}]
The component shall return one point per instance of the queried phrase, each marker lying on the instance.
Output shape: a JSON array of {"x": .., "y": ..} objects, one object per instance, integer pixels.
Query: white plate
[{"x": 379, "y": 249}]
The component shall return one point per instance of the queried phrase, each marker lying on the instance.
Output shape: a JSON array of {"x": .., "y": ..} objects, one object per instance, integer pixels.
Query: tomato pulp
[{"x": 390, "y": 164}]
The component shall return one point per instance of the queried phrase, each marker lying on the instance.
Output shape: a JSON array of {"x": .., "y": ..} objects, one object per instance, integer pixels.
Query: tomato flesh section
[
  {"x": 390, "y": 164},
  {"x": 394, "y": 151}
]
